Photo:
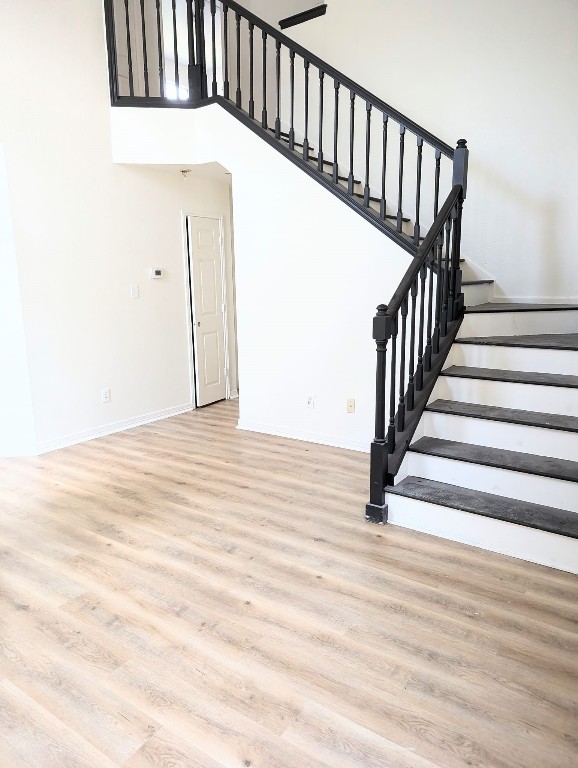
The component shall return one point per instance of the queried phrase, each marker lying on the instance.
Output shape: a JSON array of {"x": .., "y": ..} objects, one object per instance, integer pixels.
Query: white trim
[
  {"x": 308, "y": 437},
  {"x": 535, "y": 299},
  {"x": 110, "y": 429}
]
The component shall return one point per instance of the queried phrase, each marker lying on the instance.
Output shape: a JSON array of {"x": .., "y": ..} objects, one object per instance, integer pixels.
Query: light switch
[{"x": 134, "y": 291}]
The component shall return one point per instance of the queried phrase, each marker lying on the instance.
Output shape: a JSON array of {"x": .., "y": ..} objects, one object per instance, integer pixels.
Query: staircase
[
  {"x": 476, "y": 419},
  {"x": 494, "y": 462}
]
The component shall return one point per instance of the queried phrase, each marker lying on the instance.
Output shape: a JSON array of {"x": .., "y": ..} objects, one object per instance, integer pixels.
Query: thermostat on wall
[{"x": 157, "y": 273}]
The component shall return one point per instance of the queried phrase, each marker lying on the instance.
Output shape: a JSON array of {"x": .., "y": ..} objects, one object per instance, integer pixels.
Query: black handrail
[{"x": 345, "y": 81}]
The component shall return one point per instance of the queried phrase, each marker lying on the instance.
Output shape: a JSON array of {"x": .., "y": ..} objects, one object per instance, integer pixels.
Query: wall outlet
[
  {"x": 105, "y": 395},
  {"x": 351, "y": 406},
  {"x": 134, "y": 291},
  {"x": 310, "y": 401}
]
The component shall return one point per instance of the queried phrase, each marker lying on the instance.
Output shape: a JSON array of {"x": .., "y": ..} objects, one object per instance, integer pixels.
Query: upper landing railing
[
  {"x": 180, "y": 53},
  {"x": 396, "y": 174}
]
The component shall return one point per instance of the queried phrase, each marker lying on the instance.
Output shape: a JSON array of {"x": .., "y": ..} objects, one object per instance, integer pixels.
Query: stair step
[
  {"x": 529, "y": 463},
  {"x": 567, "y": 341},
  {"x": 523, "y": 513},
  {"x": 477, "y": 282},
  {"x": 506, "y": 415},
  {"x": 517, "y": 377},
  {"x": 515, "y": 307}
]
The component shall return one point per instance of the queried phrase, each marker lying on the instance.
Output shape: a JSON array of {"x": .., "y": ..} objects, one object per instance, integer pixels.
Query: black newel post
[
  {"x": 460, "y": 176},
  {"x": 376, "y": 510}
]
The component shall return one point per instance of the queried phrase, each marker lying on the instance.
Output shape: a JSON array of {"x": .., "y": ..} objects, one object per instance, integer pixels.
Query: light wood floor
[{"x": 185, "y": 594}]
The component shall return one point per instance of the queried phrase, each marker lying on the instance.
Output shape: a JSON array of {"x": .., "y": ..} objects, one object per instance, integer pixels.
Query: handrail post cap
[{"x": 462, "y": 143}]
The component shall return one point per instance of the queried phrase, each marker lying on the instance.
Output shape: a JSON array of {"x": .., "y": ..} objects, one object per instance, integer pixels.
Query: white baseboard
[
  {"x": 308, "y": 437},
  {"x": 109, "y": 429},
  {"x": 501, "y": 299},
  {"x": 233, "y": 394}
]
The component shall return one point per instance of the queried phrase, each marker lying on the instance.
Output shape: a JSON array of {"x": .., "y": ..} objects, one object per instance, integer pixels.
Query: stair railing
[
  {"x": 188, "y": 53},
  {"x": 430, "y": 300}
]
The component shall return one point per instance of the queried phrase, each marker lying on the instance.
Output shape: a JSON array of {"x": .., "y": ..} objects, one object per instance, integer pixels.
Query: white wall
[
  {"x": 17, "y": 436},
  {"x": 499, "y": 74},
  {"x": 84, "y": 230},
  {"x": 309, "y": 274}
]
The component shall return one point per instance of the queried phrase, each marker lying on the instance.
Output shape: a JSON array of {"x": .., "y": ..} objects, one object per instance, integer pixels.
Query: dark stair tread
[
  {"x": 516, "y": 461},
  {"x": 515, "y": 307},
  {"x": 514, "y": 377},
  {"x": 507, "y": 415},
  {"x": 490, "y": 505},
  {"x": 477, "y": 282},
  {"x": 536, "y": 341}
]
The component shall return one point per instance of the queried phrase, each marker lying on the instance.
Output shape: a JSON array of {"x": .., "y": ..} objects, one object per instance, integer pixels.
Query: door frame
[{"x": 190, "y": 300}]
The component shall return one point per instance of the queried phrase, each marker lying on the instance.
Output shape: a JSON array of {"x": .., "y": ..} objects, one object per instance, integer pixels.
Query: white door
[{"x": 208, "y": 309}]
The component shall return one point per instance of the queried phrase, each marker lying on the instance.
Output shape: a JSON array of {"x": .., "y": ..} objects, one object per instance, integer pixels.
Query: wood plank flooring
[{"x": 186, "y": 594}]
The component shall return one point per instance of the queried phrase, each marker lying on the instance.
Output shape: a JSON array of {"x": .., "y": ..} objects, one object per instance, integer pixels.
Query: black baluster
[
  {"x": 351, "y": 177},
  {"x": 401, "y": 403},
  {"x": 409, "y": 398},
  {"x": 306, "y": 115},
  {"x": 129, "y": 48},
  {"x": 176, "y": 49},
  {"x": 201, "y": 49},
  {"x": 320, "y": 152},
  {"x": 452, "y": 270},
  {"x": 382, "y": 204},
  {"x": 144, "y": 48},
  {"x": 192, "y": 79},
  {"x": 251, "y": 72},
  {"x": 420, "y": 352},
  {"x": 458, "y": 302},
  {"x": 439, "y": 294},
  {"x": 437, "y": 183},
  {"x": 335, "y": 133},
  {"x": 278, "y": 87},
  {"x": 378, "y": 464},
  {"x": 446, "y": 280},
  {"x": 226, "y": 45},
  {"x": 292, "y": 94},
  {"x": 112, "y": 48},
  {"x": 160, "y": 50},
  {"x": 428, "y": 346},
  {"x": 238, "y": 34},
  {"x": 366, "y": 192},
  {"x": 400, "y": 182},
  {"x": 416, "y": 231},
  {"x": 264, "y": 121},
  {"x": 214, "y": 46},
  {"x": 392, "y": 392}
]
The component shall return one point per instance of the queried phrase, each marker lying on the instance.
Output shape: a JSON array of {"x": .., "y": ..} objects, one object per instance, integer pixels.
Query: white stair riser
[
  {"x": 514, "y": 358},
  {"x": 472, "y": 272},
  {"x": 477, "y": 294},
  {"x": 518, "y": 323},
  {"x": 498, "y": 434},
  {"x": 526, "y": 397},
  {"x": 494, "y": 535},
  {"x": 501, "y": 482}
]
